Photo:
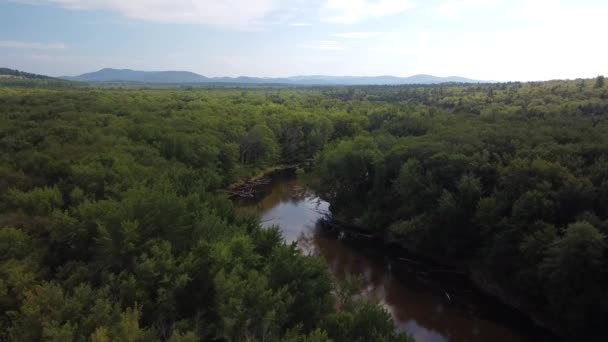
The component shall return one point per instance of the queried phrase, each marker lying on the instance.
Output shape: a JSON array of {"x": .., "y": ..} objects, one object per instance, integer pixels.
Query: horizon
[
  {"x": 288, "y": 76},
  {"x": 313, "y": 75},
  {"x": 494, "y": 40}
]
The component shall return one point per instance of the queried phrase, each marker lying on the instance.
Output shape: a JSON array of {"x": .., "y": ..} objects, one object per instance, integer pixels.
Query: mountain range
[{"x": 109, "y": 75}]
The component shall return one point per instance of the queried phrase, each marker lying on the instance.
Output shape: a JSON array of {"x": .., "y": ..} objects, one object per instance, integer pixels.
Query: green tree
[
  {"x": 259, "y": 146},
  {"x": 573, "y": 270},
  {"x": 599, "y": 82}
]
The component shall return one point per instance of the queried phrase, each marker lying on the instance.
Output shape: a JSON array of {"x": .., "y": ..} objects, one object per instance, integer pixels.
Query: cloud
[
  {"x": 356, "y": 35},
  {"x": 238, "y": 14},
  {"x": 235, "y": 14},
  {"x": 415, "y": 44},
  {"x": 329, "y": 45},
  {"x": 455, "y": 9},
  {"x": 354, "y": 11},
  {"x": 301, "y": 24},
  {"x": 13, "y": 44}
]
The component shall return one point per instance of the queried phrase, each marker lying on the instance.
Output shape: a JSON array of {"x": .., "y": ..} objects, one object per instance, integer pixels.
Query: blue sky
[{"x": 483, "y": 39}]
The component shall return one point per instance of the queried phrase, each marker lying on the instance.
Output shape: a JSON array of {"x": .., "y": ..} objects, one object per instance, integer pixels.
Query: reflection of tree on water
[
  {"x": 415, "y": 308},
  {"x": 285, "y": 192},
  {"x": 424, "y": 315}
]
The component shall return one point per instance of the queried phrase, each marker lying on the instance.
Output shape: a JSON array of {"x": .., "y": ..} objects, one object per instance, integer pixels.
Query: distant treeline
[
  {"x": 23, "y": 74},
  {"x": 16, "y": 78}
]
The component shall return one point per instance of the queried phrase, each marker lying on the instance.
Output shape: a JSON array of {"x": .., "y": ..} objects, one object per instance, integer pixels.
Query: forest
[
  {"x": 510, "y": 180},
  {"x": 114, "y": 225}
]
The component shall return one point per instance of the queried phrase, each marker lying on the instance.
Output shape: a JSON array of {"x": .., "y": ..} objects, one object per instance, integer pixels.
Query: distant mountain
[
  {"x": 185, "y": 77},
  {"x": 6, "y": 72},
  {"x": 379, "y": 80},
  {"x": 126, "y": 75}
]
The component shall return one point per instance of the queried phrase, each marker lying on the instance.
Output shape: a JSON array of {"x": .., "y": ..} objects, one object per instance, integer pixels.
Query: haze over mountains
[{"x": 109, "y": 75}]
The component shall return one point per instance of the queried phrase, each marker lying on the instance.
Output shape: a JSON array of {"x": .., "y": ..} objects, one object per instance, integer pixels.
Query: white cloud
[
  {"x": 457, "y": 8},
  {"x": 239, "y": 14},
  {"x": 356, "y": 35},
  {"x": 12, "y": 44},
  {"x": 556, "y": 41},
  {"x": 301, "y": 24},
  {"x": 330, "y": 45},
  {"x": 235, "y": 14},
  {"x": 414, "y": 44},
  {"x": 353, "y": 11}
]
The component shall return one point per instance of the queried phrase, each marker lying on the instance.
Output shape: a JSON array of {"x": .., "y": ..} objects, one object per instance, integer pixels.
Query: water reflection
[
  {"x": 291, "y": 207},
  {"x": 415, "y": 308}
]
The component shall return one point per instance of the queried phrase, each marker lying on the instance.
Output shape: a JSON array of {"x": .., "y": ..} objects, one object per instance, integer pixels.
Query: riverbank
[
  {"x": 432, "y": 302},
  {"x": 474, "y": 275},
  {"x": 261, "y": 174},
  {"x": 450, "y": 278},
  {"x": 492, "y": 288},
  {"x": 247, "y": 187}
]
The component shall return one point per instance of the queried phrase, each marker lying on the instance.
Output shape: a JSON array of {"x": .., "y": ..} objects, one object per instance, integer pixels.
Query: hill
[
  {"x": 109, "y": 75},
  {"x": 127, "y": 75},
  {"x": 6, "y": 72}
]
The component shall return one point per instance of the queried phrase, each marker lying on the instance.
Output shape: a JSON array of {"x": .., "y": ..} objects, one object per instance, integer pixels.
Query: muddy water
[{"x": 425, "y": 308}]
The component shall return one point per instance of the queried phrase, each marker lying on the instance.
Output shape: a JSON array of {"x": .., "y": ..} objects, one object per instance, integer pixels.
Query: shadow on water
[{"x": 420, "y": 306}]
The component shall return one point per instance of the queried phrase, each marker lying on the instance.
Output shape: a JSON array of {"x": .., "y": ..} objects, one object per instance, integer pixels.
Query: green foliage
[
  {"x": 14, "y": 244},
  {"x": 576, "y": 259},
  {"x": 346, "y": 171},
  {"x": 17, "y": 73},
  {"x": 317, "y": 335},
  {"x": 187, "y": 337},
  {"x": 366, "y": 321},
  {"x": 259, "y": 146},
  {"x": 39, "y": 201},
  {"x": 599, "y": 82},
  {"x": 360, "y": 318},
  {"x": 496, "y": 177},
  {"x": 113, "y": 225}
]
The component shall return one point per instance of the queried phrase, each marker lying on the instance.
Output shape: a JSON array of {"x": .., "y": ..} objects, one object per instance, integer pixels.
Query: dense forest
[
  {"x": 510, "y": 180},
  {"x": 114, "y": 225}
]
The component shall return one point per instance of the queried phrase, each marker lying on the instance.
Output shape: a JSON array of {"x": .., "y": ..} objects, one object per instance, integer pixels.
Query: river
[{"x": 431, "y": 310}]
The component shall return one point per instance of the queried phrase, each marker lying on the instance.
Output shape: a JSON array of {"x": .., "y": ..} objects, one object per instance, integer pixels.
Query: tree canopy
[{"x": 113, "y": 226}]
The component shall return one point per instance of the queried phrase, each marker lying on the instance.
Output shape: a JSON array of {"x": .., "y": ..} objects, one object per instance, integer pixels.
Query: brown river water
[{"x": 424, "y": 308}]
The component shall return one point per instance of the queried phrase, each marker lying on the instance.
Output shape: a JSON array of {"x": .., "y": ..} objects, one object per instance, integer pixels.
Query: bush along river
[{"x": 429, "y": 301}]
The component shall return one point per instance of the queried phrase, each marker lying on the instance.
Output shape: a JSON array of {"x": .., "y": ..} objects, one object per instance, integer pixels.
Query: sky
[{"x": 501, "y": 40}]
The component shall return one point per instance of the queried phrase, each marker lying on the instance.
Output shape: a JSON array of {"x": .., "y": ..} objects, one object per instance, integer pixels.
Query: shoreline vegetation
[
  {"x": 512, "y": 180},
  {"x": 113, "y": 222},
  {"x": 246, "y": 188},
  {"x": 476, "y": 276}
]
